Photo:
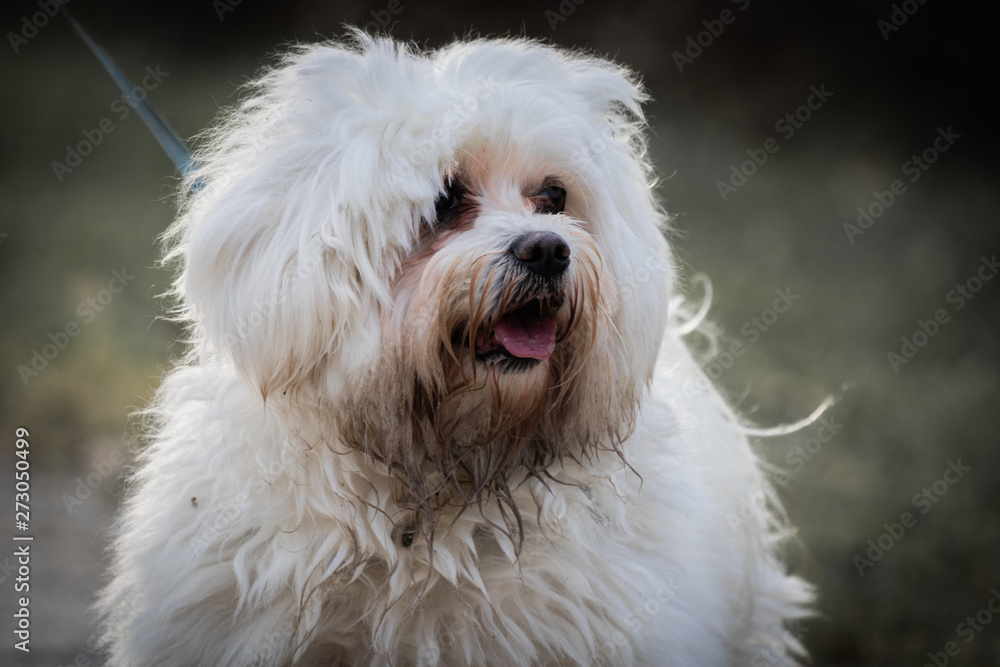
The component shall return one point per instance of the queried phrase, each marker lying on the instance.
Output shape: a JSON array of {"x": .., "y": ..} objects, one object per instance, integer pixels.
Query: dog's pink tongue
[{"x": 528, "y": 336}]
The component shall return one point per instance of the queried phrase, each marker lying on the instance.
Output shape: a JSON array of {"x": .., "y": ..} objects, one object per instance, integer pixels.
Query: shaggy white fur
[{"x": 437, "y": 408}]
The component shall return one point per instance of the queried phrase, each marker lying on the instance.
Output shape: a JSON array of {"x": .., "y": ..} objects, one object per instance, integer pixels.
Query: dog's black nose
[{"x": 543, "y": 253}]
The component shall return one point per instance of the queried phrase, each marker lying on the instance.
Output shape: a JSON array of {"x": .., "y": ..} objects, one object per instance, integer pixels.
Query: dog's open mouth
[{"x": 527, "y": 334}]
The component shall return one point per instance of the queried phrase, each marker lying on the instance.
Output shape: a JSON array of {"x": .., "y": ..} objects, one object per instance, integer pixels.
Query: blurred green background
[{"x": 61, "y": 241}]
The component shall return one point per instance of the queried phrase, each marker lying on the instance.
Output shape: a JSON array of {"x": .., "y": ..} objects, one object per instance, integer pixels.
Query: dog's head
[{"x": 457, "y": 253}]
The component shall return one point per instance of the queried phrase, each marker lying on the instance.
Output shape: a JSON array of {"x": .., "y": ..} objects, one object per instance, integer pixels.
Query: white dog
[{"x": 437, "y": 408}]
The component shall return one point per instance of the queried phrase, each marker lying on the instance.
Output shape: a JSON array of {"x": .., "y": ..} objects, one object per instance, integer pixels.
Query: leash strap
[{"x": 165, "y": 135}]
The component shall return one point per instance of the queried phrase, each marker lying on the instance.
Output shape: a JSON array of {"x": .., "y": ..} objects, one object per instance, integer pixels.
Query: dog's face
[
  {"x": 457, "y": 254},
  {"x": 499, "y": 305}
]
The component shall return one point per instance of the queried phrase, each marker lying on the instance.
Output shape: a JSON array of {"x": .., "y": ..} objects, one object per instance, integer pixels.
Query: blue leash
[{"x": 165, "y": 135}]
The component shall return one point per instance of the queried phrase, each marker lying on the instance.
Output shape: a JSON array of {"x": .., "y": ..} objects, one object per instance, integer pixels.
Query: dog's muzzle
[{"x": 526, "y": 334}]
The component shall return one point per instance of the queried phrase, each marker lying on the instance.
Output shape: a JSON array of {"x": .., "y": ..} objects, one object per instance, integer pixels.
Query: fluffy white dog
[{"x": 437, "y": 408}]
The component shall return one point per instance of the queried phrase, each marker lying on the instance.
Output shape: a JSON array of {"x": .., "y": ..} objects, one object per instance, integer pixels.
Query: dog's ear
[
  {"x": 264, "y": 291},
  {"x": 620, "y": 202},
  {"x": 284, "y": 241}
]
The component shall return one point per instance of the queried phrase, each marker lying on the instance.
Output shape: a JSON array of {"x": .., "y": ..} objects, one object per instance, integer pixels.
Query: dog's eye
[
  {"x": 552, "y": 199},
  {"x": 448, "y": 202}
]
